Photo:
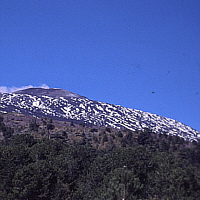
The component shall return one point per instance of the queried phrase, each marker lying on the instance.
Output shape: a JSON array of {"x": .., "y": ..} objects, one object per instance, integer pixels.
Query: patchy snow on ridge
[{"x": 67, "y": 107}]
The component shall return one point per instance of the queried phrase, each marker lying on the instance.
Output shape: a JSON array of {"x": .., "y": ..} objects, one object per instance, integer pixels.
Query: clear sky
[{"x": 141, "y": 54}]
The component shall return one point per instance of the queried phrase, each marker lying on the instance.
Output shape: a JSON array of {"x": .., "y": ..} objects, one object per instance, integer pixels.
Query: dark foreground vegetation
[{"x": 96, "y": 163}]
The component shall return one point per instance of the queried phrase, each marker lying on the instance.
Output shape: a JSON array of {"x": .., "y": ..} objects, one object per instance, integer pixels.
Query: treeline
[
  {"x": 132, "y": 165},
  {"x": 49, "y": 169}
]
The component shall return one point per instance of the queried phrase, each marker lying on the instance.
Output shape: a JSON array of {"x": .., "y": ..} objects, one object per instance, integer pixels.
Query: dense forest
[{"x": 44, "y": 160}]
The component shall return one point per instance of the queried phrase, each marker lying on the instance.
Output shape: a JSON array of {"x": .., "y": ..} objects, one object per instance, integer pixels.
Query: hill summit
[{"x": 51, "y": 92}]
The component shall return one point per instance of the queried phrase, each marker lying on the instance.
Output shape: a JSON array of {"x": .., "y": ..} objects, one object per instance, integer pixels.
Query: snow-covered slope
[{"x": 63, "y": 105}]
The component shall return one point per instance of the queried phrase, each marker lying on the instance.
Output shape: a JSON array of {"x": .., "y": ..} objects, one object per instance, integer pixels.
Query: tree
[
  {"x": 33, "y": 126},
  {"x": 50, "y": 127}
]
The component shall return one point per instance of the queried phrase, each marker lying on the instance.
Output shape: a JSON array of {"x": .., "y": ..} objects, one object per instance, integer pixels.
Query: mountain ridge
[
  {"x": 64, "y": 105},
  {"x": 53, "y": 92}
]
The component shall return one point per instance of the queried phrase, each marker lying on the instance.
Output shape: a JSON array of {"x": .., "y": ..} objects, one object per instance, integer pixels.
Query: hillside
[
  {"x": 63, "y": 105},
  {"x": 57, "y": 145},
  {"x": 41, "y": 158}
]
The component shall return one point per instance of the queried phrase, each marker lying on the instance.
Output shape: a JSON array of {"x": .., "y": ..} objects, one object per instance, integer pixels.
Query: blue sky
[{"x": 142, "y": 54}]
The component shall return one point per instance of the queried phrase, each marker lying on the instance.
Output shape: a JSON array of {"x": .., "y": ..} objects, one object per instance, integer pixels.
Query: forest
[{"x": 96, "y": 163}]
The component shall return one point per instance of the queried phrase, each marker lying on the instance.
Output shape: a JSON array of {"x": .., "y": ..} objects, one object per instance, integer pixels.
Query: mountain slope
[{"x": 63, "y": 105}]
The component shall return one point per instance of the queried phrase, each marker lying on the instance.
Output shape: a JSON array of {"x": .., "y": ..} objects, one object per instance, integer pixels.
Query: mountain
[{"x": 63, "y": 105}]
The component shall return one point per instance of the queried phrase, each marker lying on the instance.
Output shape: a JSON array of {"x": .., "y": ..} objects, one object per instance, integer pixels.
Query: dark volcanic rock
[{"x": 52, "y": 92}]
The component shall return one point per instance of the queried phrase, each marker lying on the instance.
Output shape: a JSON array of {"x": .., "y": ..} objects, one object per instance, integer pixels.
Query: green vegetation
[
  {"x": 97, "y": 163},
  {"x": 7, "y": 131}
]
